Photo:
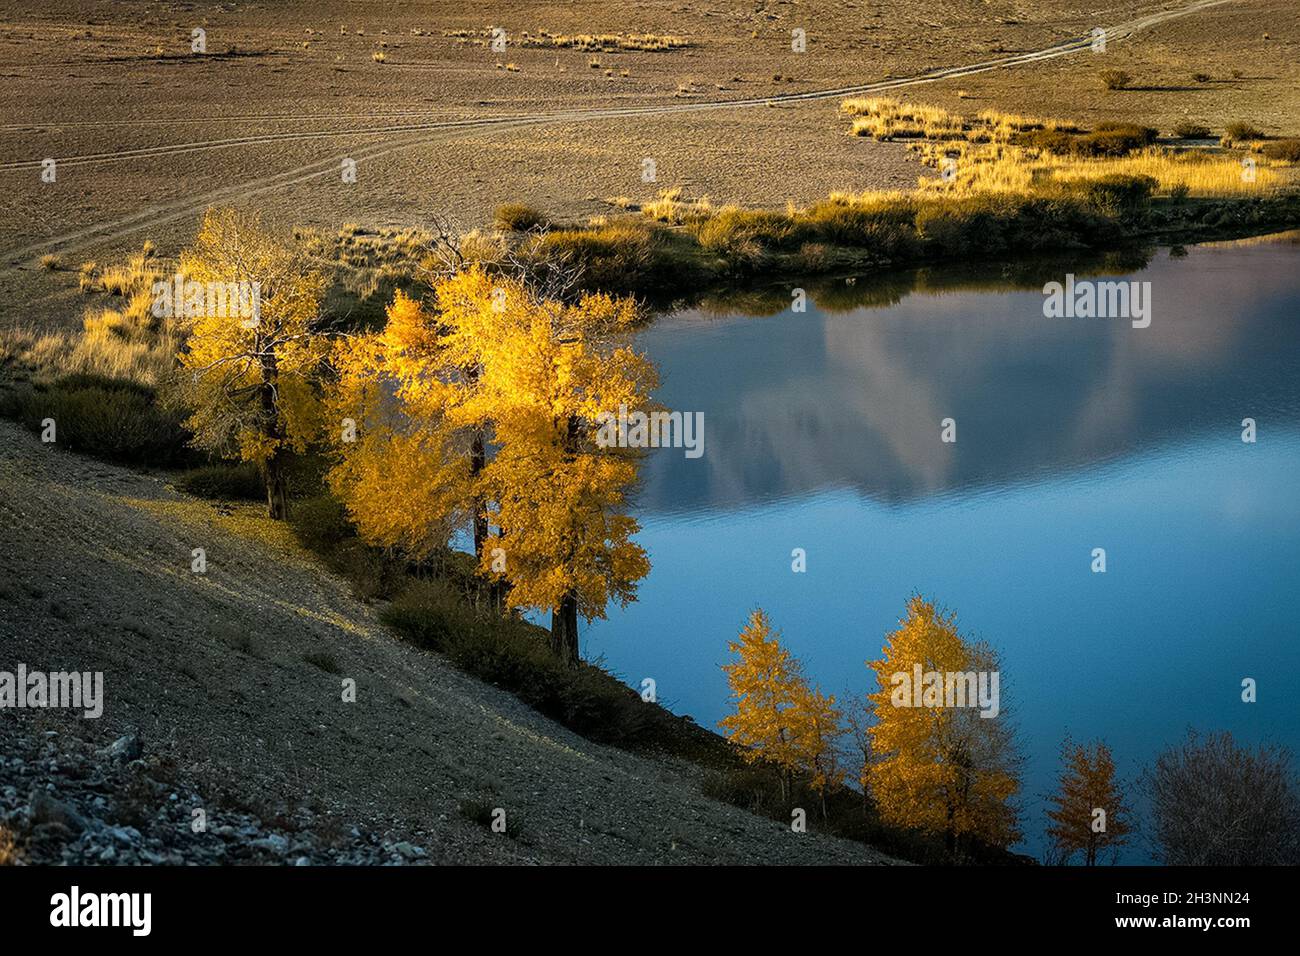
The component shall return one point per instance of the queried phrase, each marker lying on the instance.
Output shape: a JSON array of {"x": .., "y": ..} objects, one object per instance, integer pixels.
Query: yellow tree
[
  {"x": 404, "y": 465},
  {"x": 494, "y": 362},
  {"x": 819, "y": 725},
  {"x": 251, "y": 306},
  {"x": 780, "y": 719},
  {"x": 1089, "y": 811},
  {"x": 556, "y": 493},
  {"x": 766, "y": 684},
  {"x": 935, "y": 766}
]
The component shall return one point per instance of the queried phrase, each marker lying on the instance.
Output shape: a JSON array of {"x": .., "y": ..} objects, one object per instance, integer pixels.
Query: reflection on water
[{"x": 823, "y": 433}]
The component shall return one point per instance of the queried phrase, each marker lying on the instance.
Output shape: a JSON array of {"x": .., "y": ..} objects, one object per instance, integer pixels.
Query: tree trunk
[
  {"x": 477, "y": 462},
  {"x": 564, "y": 630},
  {"x": 277, "y": 489},
  {"x": 277, "y": 495}
]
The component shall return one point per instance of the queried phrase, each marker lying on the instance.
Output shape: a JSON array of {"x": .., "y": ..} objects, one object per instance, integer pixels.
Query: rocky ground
[{"x": 222, "y": 693}]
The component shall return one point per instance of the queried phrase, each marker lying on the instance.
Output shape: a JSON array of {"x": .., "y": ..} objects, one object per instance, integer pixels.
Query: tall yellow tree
[
  {"x": 557, "y": 495},
  {"x": 780, "y": 720},
  {"x": 246, "y": 374},
  {"x": 405, "y": 466},
  {"x": 1089, "y": 812},
  {"x": 936, "y": 767},
  {"x": 483, "y": 408},
  {"x": 819, "y": 725},
  {"x": 766, "y": 683}
]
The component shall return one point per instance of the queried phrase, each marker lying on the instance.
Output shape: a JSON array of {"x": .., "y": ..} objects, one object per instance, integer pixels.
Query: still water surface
[{"x": 822, "y": 432}]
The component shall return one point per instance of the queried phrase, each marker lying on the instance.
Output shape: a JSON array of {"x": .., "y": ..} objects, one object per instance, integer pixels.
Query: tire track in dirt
[{"x": 193, "y": 206}]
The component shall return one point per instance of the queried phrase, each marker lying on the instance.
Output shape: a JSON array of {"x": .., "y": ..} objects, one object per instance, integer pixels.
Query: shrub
[
  {"x": 620, "y": 255},
  {"x": 1286, "y": 150},
  {"x": 747, "y": 233},
  {"x": 224, "y": 481},
  {"x": 322, "y": 526},
  {"x": 1115, "y": 139},
  {"x": 1053, "y": 141},
  {"x": 113, "y": 419},
  {"x": 1108, "y": 139},
  {"x": 1117, "y": 194},
  {"x": 519, "y": 217},
  {"x": 1188, "y": 130},
  {"x": 1217, "y": 804},
  {"x": 483, "y": 813},
  {"x": 1115, "y": 79},
  {"x": 1201, "y": 77},
  {"x": 320, "y": 523},
  {"x": 515, "y": 655},
  {"x": 1242, "y": 132}
]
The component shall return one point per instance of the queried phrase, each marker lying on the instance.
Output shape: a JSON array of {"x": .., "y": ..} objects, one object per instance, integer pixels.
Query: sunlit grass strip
[
  {"x": 587, "y": 42},
  {"x": 1009, "y": 169},
  {"x": 885, "y": 118}
]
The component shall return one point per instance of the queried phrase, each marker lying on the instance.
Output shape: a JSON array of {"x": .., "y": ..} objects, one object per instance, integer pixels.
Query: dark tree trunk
[
  {"x": 564, "y": 619},
  {"x": 564, "y": 630},
  {"x": 277, "y": 489},
  {"x": 477, "y": 462},
  {"x": 277, "y": 493}
]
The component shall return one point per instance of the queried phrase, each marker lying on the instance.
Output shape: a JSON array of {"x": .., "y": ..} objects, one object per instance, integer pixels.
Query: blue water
[{"x": 822, "y": 432}]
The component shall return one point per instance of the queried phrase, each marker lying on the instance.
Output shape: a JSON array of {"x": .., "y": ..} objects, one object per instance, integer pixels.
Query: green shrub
[
  {"x": 321, "y": 523},
  {"x": 113, "y": 419},
  {"x": 1108, "y": 139},
  {"x": 621, "y": 255},
  {"x": 322, "y": 526},
  {"x": 1286, "y": 150},
  {"x": 1189, "y": 130},
  {"x": 1054, "y": 141},
  {"x": 1117, "y": 194},
  {"x": 1115, "y": 139},
  {"x": 519, "y": 217},
  {"x": 224, "y": 481}
]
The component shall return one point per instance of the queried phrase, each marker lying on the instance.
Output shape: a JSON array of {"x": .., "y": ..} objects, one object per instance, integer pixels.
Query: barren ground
[{"x": 122, "y": 78}]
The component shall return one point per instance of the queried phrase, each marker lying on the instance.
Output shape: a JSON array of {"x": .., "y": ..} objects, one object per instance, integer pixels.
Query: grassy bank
[{"x": 676, "y": 249}]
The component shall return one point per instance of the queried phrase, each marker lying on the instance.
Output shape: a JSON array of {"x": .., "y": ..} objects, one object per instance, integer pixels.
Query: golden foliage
[
  {"x": 493, "y": 360},
  {"x": 1087, "y": 785},
  {"x": 247, "y": 383},
  {"x": 780, "y": 719},
  {"x": 943, "y": 769}
]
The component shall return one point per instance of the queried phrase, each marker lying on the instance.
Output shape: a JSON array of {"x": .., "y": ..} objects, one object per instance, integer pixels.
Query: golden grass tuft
[
  {"x": 672, "y": 208},
  {"x": 989, "y": 154}
]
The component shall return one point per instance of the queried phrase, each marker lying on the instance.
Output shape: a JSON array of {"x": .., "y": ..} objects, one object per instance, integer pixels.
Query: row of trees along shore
[
  {"x": 951, "y": 773},
  {"x": 475, "y": 407},
  {"x": 473, "y": 410}
]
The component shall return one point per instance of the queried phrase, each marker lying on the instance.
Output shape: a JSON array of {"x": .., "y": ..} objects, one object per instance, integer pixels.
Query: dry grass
[
  {"x": 587, "y": 42},
  {"x": 1010, "y": 169},
  {"x": 125, "y": 340},
  {"x": 670, "y": 207},
  {"x": 9, "y": 852},
  {"x": 885, "y": 118},
  {"x": 988, "y": 153}
]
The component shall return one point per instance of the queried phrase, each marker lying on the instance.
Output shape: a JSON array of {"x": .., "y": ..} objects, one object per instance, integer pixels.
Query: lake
[{"x": 823, "y": 432}]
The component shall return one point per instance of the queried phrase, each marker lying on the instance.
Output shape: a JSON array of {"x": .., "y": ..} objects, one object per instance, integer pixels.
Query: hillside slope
[{"x": 207, "y": 673}]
